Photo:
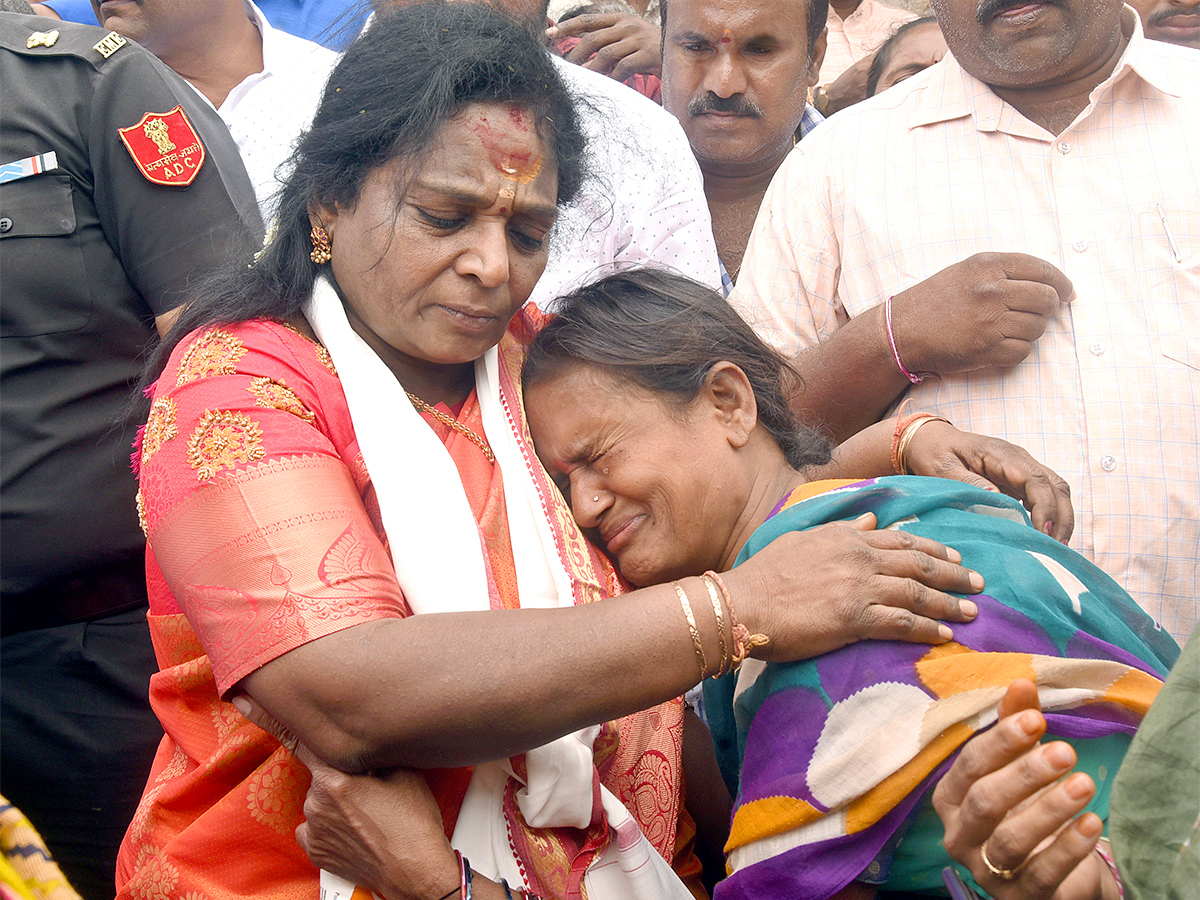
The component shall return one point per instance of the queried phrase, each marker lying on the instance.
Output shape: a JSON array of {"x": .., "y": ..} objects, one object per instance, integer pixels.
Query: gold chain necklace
[{"x": 458, "y": 426}]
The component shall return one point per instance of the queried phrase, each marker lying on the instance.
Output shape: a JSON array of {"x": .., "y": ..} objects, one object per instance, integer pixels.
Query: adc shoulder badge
[{"x": 165, "y": 147}]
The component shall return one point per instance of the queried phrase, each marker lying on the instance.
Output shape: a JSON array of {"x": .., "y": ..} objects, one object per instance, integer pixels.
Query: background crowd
[{"x": 986, "y": 212}]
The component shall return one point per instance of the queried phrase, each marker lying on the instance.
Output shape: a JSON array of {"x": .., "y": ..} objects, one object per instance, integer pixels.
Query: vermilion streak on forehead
[{"x": 507, "y": 152}]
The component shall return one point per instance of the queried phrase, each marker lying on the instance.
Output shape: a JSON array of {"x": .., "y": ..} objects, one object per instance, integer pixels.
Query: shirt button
[
  {"x": 1096, "y": 348},
  {"x": 5, "y": 225},
  {"x": 1108, "y": 463},
  {"x": 1064, "y": 147},
  {"x": 1079, "y": 246}
]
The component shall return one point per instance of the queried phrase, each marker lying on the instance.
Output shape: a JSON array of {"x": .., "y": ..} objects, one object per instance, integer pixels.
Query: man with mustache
[
  {"x": 1037, "y": 281},
  {"x": 736, "y": 75},
  {"x": 1170, "y": 20}
]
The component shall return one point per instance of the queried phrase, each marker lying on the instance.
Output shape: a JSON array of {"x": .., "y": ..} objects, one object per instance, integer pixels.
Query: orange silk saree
[{"x": 264, "y": 532}]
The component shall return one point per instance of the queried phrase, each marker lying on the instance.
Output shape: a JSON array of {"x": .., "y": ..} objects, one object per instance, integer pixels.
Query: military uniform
[{"x": 119, "y": 190}]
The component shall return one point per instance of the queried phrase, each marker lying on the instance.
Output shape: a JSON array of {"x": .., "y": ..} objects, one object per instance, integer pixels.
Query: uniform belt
[{"x": 100, "y": 592}]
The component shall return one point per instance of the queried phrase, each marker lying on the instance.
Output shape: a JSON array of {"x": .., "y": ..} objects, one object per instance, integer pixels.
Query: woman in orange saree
[{"x": 346, "y": 522}]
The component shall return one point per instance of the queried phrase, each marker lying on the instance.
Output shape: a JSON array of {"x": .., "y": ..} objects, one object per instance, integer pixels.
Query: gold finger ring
[{"x": 1002, "y": 874}]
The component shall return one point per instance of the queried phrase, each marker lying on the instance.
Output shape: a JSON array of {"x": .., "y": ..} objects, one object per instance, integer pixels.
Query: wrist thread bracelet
[
  {"x": 457, "y": 889},
  {"x": 465, "y": 870},
  {"x": 1106, "y": 855},
  {"x": 915, "y": 378},
  {"x": 466, "y": 876},
  {"x": 743, "y": 640}
]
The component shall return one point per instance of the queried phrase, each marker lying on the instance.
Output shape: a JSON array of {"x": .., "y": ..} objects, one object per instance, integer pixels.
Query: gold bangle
[
  {"x": 907, "y": 436},
  {"x": 691, "y": 621},
  {"x": 716, "y": 602}
]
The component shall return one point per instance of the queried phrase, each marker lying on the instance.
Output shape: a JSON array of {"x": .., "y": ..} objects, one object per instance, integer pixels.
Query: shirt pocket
[
  {"x": 1169, "y": 260},
  {"x": 46, "y": 287}
]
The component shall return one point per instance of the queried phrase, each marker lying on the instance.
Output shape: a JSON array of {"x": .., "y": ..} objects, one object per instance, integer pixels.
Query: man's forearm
[{"x": 849, "y": 380}]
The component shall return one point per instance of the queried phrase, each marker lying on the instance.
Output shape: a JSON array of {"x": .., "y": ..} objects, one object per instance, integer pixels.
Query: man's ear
[
  {"x": 731, "y": 396},
  {"x": 818, "y": 57}
]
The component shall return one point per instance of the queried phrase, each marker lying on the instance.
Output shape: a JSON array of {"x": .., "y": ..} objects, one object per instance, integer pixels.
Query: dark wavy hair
[
  {"x": 398, "y": 84},
  {"x": 664, "y": 332}
]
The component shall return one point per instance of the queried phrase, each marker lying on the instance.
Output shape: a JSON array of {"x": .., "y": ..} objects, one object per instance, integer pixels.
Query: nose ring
[{"x": 596, "y": 499}]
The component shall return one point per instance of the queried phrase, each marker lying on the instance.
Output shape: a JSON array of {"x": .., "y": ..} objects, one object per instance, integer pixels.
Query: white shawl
[{"x": 412, "y": 470}]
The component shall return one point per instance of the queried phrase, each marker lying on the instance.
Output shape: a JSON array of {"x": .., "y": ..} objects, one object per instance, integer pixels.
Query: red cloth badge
[{"x": 165, "y": 147}]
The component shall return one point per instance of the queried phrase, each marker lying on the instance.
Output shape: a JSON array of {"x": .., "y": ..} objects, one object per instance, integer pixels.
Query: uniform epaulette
[{"x": 32, "y": 36}]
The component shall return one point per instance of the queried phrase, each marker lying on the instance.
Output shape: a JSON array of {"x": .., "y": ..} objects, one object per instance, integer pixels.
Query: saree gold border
[
  {"x": 218, "y": 517},
  {"x": 287, "y": 532}
]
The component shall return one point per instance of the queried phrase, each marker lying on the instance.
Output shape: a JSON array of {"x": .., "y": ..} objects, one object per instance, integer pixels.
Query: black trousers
[{"x": 77, "y": 737}]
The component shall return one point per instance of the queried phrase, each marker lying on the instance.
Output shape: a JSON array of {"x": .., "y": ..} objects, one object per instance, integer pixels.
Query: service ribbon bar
[{"x": 33, "y": 165}]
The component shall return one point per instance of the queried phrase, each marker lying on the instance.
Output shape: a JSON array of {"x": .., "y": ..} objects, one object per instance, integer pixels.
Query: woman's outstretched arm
[{"x": 454, "y": 689}]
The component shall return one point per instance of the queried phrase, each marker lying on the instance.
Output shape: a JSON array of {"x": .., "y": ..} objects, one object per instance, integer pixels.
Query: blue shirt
[
  {"x": 333, "y": 23},
  {"x": 73, "y": 10}
]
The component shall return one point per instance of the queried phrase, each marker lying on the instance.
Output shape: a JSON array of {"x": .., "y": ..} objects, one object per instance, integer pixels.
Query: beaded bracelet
[{"x": 691, "y": 622}]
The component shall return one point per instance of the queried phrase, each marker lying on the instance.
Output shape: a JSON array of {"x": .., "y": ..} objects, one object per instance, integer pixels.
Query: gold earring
[{"x": 321, "y": 247}]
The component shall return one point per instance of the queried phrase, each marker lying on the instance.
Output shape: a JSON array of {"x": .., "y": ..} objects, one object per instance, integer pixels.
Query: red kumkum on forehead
[
  {"x": 520, "y": 117},
  {"x": 727, "y": 37},
  {"x": 507, "y": 154}
]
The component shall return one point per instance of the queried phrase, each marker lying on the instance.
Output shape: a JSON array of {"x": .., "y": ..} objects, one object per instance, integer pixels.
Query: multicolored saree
[{"x": 834, "y": 757}]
